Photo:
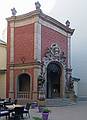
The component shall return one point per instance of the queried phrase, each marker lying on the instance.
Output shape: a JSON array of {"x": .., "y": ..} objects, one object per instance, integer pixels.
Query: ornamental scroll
[{"x": 54, "y": 54}]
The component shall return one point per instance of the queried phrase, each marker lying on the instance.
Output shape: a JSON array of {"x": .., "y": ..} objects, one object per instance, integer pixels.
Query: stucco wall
[
  {"x": 3, "y": 56},
  {"x": 3, "y": 85}
]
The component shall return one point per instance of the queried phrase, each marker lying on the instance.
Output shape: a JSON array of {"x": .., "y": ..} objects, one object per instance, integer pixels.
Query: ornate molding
[{"x": 54, "y": 53}]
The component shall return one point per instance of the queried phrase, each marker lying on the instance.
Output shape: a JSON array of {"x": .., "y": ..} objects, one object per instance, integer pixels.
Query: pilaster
[
  {"x": 68, "y": 67},
  {"x": 69, "y": 49},
  {"x": 37, "y": 55},
  {"x": 37, "y": 41},
  {"x": 12, "y": 27}
]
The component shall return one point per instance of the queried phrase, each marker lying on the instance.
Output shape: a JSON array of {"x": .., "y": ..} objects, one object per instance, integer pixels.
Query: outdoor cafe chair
[
  {"x": 15, "y": 101},
  {"x": 4, "y": 112},
  {"x": 18, "y": 113},
  {"x": 27, "y": 108}
]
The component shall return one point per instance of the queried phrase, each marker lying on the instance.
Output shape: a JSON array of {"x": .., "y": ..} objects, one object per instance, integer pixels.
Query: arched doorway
[
  {"x": 23, "y": 86},
  {"x": 54, "y": 73}
]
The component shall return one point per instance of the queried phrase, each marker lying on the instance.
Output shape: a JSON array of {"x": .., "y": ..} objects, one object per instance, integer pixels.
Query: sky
[{"x": 73, "y": 10}]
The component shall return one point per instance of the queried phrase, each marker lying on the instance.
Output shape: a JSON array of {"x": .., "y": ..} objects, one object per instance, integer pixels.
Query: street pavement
[{"x": 74, "y": 112}]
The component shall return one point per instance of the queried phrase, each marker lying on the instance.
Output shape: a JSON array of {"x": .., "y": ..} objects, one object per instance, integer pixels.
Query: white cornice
[
  {"x": 38, "y": 13},
  {"x": 24, "y": 16}
]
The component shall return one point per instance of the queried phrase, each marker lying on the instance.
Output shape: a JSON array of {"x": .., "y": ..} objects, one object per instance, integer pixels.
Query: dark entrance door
[{"x": 53, "y": 80}]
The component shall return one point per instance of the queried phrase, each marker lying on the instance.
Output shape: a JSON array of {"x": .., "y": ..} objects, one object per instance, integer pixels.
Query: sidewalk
[{"x": 75, "y": 112}]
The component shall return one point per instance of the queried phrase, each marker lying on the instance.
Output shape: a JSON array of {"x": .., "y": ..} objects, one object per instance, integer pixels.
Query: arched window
[{"x": 24, "y": 82}]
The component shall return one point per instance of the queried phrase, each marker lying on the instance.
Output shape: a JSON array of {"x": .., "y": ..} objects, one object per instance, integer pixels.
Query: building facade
[
  {"x": 3, "y": 59},
  {"x": 37, "y": 45}
]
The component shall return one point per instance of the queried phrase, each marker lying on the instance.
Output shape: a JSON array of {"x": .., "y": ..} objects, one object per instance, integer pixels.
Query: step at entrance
[{"x": 59, "y": 102}]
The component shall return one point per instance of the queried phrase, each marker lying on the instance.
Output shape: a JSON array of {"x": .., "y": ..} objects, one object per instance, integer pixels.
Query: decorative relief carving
[
  {"x": 54, "y": 54},
  {"x": 23, "y": 60}
]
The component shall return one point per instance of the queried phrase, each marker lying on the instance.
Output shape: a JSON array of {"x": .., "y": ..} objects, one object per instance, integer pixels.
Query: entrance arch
[{"x": 54, "y": 73}]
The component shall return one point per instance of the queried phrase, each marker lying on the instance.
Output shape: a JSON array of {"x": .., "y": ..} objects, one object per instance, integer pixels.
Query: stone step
[
  {"x": 59, "y": 102},
  {"x": 82, "y": 98}
]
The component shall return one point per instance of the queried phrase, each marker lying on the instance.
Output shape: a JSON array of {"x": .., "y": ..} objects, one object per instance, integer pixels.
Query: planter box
[
  {"x": 45, "y": 116},
  {"x": 33, "y": 105}
]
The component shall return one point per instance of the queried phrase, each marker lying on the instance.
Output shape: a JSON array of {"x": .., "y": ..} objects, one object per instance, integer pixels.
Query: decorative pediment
[{"x": 54, "y": 53}]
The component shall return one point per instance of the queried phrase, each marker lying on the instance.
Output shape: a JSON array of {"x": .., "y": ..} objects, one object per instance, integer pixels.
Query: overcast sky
[{"x": 73, "y": 10}]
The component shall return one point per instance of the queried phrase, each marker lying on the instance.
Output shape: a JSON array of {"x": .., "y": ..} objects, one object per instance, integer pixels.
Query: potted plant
[{"x": 45, "y": 113}]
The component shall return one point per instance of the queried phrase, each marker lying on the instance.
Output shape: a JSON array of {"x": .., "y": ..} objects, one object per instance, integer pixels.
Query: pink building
[{"x": 37, "y": 44}]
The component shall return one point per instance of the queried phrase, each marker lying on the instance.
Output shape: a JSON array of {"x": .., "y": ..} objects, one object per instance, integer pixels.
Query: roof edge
[
  {"x": 43, "y": 16},
  {"x": 3, "y": 42},
  {"x": 57, "y": 23}
]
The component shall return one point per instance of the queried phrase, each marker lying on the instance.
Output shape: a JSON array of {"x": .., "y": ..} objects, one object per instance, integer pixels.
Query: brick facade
[
  {"x": 8, "y": 60},
  {"x": 23, "y": 54},
  {"x": 24, "y": 44},
  {"x": 49, "y": 37},
  {"x": 28, "y": 38}
]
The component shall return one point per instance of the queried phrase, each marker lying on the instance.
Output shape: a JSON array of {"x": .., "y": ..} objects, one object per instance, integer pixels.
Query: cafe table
[{"x": 11, "y": 108}]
